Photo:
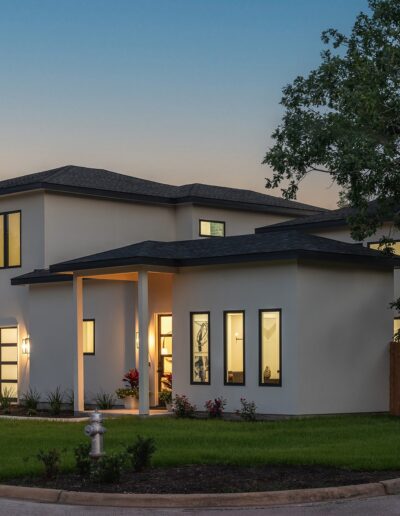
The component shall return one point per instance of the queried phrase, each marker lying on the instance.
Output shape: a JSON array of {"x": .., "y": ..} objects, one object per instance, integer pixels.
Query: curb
[{"x": 258, "y": 499}]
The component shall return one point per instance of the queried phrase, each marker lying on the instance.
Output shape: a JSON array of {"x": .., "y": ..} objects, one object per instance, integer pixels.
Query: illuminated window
[
  {"x": 270, "y": 347},
  {"x": 396, "y": 325},
  {"x": 395, "y": 245},
  {"x": 9, "y": 361},
  {"x": 212, "y": 228},
  {"x": 234, "y": 348},
  {"x": 10, "y": 239},
  {"x": 88, "y": 336},
  {"x": 200, "y": 347}
]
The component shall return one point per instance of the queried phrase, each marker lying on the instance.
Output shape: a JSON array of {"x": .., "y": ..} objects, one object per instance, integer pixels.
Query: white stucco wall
[
  {"x": 14, "y": 301},
  {"x": 345, "y": 326},
  {"x": 335, "y": 333},
  {"x": 248, "y": 288},
  {"x": 78, "y": 226},
  {"x": 236, "y": 222}
]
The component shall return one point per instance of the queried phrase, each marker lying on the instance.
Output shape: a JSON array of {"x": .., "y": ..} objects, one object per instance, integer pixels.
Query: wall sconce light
[
  {"x": 26, "y": 346},
  {"x": 137, "y": 340}
]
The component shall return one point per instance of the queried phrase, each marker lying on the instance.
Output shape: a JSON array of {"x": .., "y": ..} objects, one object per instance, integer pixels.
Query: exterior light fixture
[
  {"x": 137, "y": 340},
  {"x": 26, "y": 346}
]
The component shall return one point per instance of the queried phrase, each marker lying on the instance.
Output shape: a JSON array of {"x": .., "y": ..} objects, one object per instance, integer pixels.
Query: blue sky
[{"x": 178, "y": 91}]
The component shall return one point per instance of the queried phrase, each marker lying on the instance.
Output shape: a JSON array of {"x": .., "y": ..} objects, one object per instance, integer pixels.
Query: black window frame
[
  {"x": 10, "y": 345},
  {"x": 6, "y": 265},
  {"x": 211, "y": 221},
  {"x": 91, "y": 354},
  {"x": 260, "y": 368},
  {"x": 208, "y": 313},
  {"x": 226, "y": 312}
]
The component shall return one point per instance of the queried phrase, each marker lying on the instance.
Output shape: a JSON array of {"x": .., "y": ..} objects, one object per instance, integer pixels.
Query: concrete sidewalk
[{"x": 383, "y": 505}]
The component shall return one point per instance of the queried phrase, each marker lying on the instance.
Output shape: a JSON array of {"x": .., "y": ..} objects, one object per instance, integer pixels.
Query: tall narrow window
[
  {"x": 9, "y": 361},
  {"x": 200, "y": 347},
  {"x": 10, "y": 239},
  {"x": 88, "y": 337},
  {"x": 270, "y": 347},
  {"x": 14, "y": 239},
  {"x": 234, "y": 348},
  {"x": 211, "y": 228}
]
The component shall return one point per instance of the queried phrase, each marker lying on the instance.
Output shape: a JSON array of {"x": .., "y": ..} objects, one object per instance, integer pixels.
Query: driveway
[{"x": 385, "y": 505}]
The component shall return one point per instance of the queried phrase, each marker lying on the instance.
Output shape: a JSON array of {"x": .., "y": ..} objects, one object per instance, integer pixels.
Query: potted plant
[
  {"x": 130, "y": 393},
  {"x": 166, "y": 391},
  {"x": 166, "y": 399}
]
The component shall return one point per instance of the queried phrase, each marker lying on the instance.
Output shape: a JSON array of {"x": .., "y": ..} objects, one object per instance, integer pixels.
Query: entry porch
[{"x": 150, "y": 347}]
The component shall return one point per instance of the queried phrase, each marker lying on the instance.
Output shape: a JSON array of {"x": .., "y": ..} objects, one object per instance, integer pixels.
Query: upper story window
[
  {"x": 10, "y": 239},
  {"x": 395, "y": 245},
  {"x": 211, "y": 228}
]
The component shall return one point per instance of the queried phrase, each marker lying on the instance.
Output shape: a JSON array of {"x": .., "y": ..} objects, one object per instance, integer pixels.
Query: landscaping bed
[
  {"x": 216, "y": 479},
  {"x": 18, "y": 411}
]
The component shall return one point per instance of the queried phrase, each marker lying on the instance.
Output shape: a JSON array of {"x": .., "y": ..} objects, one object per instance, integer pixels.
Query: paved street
[{"x": 385, "y": 505}]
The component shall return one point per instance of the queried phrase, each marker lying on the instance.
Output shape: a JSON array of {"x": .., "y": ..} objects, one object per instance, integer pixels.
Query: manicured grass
[{"x": 356, "y": 442}]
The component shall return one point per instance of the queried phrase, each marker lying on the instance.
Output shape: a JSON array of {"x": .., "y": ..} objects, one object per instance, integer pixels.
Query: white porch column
[
  {"x": 77, "y": 346},
  {"x": 143, "y": 320}
]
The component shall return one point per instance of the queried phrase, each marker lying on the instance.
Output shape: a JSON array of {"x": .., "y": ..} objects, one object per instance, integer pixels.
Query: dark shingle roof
[
  {"x": 104, "y": 183},
  {"x": 327, "y": 219},
  {"x": 40, "y": 276},
  {"x": 255, "y": 247}
]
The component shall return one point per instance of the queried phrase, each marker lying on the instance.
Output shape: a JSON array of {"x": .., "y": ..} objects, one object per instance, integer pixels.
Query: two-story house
[{"x": 113, "y": 272}]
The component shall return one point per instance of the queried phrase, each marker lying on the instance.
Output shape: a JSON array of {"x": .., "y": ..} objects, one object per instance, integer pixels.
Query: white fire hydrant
[{"x": 96, "y": 430}]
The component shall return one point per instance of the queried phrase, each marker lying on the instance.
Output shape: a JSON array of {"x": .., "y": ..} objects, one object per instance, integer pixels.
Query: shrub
[
  {"x": 104, "y": 400},
  {"x": 30, "y": 400},
  {"x": 6, "y": 397},
  {"x": 140, "y": 452},
  {"x": 215, "y": 408},
  {"x": 182, "y": 407},
  {"x": 108, "y": 469},
  {"x": 55, "y": 400},
  {"x": 247, "y": 411},
  {"x": 165, "y": 396},
  {"x": 69, "y": 398},
  {"x": 83, "y": 461},
  {"x": 51, "y": 461},
  {"x": 125, "y": 393}
]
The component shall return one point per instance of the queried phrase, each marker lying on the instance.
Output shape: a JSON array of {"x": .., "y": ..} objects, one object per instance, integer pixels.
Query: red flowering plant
[
  {"x": 215, "y": 408},
  {"x": 131, "y": 381}
]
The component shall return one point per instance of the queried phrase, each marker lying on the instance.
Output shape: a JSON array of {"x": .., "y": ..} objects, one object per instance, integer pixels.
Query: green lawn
[{"x": 358, "y": 442}]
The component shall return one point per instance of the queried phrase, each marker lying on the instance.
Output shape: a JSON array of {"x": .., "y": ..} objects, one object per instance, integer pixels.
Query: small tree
[{"x": 343, "y": 120}]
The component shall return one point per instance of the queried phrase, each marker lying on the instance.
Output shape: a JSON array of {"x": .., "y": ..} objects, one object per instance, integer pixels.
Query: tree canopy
[{"x": 343, "y": 119}]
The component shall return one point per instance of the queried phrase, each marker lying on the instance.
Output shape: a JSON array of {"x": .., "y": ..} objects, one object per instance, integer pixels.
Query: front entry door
[
  {"x": 9, "y": 361},
  {"x": 164, "y": 352}
]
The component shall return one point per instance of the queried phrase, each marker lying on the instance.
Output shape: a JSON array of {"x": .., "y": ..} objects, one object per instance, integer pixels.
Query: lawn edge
[{"x": 260, "y": 499}]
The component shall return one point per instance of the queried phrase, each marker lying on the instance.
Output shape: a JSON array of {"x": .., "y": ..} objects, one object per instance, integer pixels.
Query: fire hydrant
[{"x": 96, "y": 430}]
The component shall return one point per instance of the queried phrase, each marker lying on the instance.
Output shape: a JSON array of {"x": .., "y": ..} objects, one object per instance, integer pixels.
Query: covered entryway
[{"x": 151, "y": 319}]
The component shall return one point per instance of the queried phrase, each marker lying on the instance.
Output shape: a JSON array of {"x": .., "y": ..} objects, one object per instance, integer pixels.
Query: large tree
[{"x": 343, "y": 119}]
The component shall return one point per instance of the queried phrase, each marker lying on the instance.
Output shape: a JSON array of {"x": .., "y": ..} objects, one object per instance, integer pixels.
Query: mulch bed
[
  {"x": 17, "y": 411},
  {"x": 217, "y": 479}
]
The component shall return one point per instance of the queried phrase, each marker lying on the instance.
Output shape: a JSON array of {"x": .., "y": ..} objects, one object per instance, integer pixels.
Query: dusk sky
[{"x": 177, "y": 91}]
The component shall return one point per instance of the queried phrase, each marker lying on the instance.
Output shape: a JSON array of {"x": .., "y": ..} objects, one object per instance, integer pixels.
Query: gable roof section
[{"x": 104, "y": 183}]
